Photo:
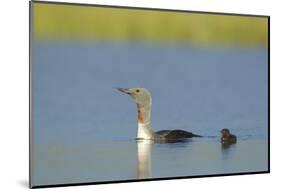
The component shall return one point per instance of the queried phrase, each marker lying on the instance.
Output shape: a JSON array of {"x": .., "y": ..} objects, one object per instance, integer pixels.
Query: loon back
[{"x": 175, "y": 134}]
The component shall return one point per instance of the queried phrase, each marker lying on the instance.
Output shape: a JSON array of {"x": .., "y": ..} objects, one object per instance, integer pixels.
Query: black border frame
[{"x": 138, "y": 8}]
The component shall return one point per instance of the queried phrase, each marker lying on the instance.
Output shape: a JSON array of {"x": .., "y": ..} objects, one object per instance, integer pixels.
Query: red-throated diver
[
  {"x": 227, "y": 137},
  {"x": 143, "y": 100}
]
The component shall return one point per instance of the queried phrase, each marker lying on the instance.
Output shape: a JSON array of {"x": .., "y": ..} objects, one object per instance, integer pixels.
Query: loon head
[
  {"x": 143, "y": 101},
  {"x": 225, "y": 132},
  {"x": 141, "y": 96}
]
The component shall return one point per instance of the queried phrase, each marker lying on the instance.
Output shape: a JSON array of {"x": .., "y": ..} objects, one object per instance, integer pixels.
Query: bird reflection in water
[
  {"x": 144, "y": 148},
  {"x": 225, "y": 146},
  {"x": 144, "y": 158}
]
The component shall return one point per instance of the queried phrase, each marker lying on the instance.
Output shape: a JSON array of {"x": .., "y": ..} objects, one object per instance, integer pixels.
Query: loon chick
[
  {"x": 227, "y": 137},
  {"x": 143, "y": 101}
]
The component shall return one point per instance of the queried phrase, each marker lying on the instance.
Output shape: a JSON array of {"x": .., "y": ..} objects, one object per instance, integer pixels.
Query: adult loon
[{"x": 143, "y": 101}]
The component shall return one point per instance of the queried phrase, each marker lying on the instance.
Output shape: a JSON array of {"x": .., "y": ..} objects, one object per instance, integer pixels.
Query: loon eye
[{"x": 137, "y": 90}]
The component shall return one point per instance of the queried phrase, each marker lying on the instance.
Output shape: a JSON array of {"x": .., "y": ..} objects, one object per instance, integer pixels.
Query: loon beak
[{"x": 123, "y": 90}]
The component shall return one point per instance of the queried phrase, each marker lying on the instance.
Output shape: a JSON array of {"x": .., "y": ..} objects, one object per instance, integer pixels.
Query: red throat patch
[{"x": 140, "y": 119}]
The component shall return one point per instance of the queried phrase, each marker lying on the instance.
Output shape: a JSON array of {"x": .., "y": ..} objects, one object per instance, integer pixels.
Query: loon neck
[{"x": 144, "y": 123}]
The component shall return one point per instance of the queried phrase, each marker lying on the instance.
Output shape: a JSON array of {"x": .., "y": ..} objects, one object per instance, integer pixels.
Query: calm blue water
[{"x": 83, "y": 129}]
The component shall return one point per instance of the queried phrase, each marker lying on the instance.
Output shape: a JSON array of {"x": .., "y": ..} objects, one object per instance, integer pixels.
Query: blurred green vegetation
[{"x": 59, "y": 21}]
